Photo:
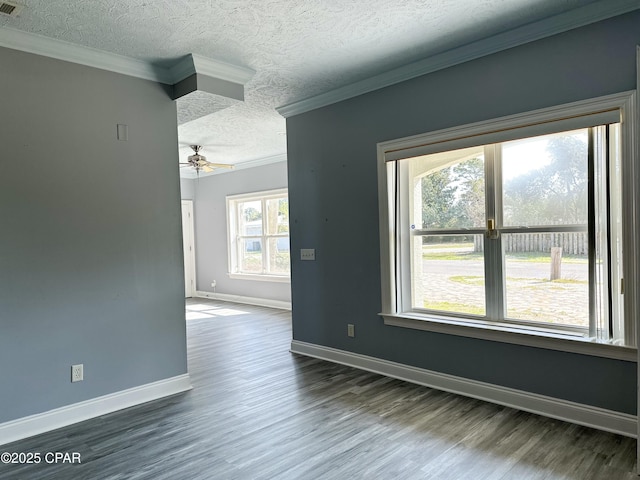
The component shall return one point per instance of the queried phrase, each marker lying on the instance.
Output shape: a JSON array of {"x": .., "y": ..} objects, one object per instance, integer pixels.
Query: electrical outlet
[
  {"x": 213, "y": 284},
  {"x": 351, "y": 330},
  {"x": 77, "y": 373}
]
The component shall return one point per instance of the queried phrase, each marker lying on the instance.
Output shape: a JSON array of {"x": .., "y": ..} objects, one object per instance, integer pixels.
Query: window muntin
[
  {"x": 396, "y": 267},
  {"x": 259, "y": 234}
]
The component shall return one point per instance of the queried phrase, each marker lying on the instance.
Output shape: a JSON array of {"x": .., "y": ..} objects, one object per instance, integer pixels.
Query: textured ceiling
[{"x": 298, "y": 48}]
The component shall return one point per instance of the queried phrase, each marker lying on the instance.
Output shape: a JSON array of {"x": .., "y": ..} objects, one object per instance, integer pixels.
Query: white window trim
[
  {"x": 406, "y": 147},
  {"x": 232, "y": 255}
]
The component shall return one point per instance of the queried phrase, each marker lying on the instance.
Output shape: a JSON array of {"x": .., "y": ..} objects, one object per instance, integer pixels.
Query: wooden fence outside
[{"x": 571, "y": 243}]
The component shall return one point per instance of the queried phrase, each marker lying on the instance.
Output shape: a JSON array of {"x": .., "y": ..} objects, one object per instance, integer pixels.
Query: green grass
[
  {"x": 453, "y": 256},
  {"x": 555, "y": 317},
  {"x": 559, "y": 281},
  {"x": 535, "y": 315},
  {"x": 451, "y": 246},
  {"x": 571, "y": 281},
  {"x": 545, "y": 283},
  {"x": 542, "y": 283},
  {"x": 541, "y": 257},
  {"x": 454, "y": 307},
  {"x": 468, "y": 279},
  {"x": 530, "y": 257}
]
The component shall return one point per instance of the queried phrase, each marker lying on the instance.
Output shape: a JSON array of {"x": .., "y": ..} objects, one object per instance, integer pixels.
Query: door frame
[{"x": 189, "y": 248}]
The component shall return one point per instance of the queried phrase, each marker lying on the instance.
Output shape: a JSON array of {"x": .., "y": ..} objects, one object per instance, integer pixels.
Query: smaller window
[{"x": 258, "y": 226}]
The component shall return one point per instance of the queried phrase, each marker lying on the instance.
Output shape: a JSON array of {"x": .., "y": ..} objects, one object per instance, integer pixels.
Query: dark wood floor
[{"x": 260, "y": 412}]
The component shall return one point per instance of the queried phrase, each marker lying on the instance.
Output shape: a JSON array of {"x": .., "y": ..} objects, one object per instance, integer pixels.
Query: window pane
[
  {"x": 547, "y": 277},
  {"x": 251, "y": 255},
  {"x": 448, "y": 274},
  {"x": 250, "y": 218},
  {"x": 545, "y": 180},
  {"x": 277, "y": 216},
  {"x": 279, "y": 255},
  {"x": 449, "y": 189}
]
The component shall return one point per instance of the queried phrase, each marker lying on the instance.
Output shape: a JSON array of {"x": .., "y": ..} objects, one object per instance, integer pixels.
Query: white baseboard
[
  {"x": 594, "y": 417},
  {"x": 262, "y": 302},
  {"x": 78, "y": 412}
]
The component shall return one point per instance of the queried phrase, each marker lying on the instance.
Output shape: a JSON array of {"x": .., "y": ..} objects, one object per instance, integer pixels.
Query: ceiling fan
[{"x": 200, "y": 162}]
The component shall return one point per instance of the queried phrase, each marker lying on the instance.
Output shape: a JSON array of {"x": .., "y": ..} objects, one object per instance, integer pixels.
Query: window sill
[
  {"x": 547, "y": 339},
  {"x": 260, "y": 278}
]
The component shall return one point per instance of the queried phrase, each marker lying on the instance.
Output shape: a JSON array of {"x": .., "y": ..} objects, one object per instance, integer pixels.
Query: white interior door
[{"x": 189, "y": 249}]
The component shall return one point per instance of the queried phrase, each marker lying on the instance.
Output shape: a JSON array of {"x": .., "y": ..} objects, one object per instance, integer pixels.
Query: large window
[
  {"x": 517, "y": 225},
  {"x": 259, "y": 235}
]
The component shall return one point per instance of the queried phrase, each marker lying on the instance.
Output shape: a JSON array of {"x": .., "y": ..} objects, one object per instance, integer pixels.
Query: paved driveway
[{"x": 530, "y": 295}]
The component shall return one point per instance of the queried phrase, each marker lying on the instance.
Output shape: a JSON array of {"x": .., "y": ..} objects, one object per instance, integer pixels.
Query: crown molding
[
  {"x": 182, "y": 69},
  {"x": 193, "y": 63},
  {"x": 258, "y": 162},
  {"x": 221, "y": 70},
  {"x": 91, "y": 57},
  {"x": 594, "y": 12}
]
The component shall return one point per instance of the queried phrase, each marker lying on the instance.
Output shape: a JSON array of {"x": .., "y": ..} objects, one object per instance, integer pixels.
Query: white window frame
[
  {"x": 538, "y": 122},
  {"x": 234, "y": 237}
]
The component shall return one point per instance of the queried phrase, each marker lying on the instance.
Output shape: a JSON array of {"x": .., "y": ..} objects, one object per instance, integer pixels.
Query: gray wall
[
  {"x": 334, "y": 207},
  {"x": 187, "y": 189},
  {"x": 90, "y": 238},
  {"x": 211, "y": 229}
]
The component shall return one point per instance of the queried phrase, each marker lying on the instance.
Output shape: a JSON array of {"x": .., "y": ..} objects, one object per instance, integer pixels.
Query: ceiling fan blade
[
  {"x": 207, "y": 169},
  {"x": 220, "y": 165}
]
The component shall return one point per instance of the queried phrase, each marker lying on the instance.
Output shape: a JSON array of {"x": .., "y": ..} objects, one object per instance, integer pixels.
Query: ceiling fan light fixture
[
  {"x": 197, "y": 158},
  {"x": 200, "y": 162}
]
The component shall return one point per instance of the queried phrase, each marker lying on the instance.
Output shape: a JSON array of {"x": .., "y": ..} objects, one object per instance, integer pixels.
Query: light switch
[{"x": 307, "y": 254}]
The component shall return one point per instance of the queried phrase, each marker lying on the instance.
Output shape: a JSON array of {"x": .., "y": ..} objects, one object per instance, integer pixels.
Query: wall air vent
[{"x": 10, "y": 9}]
